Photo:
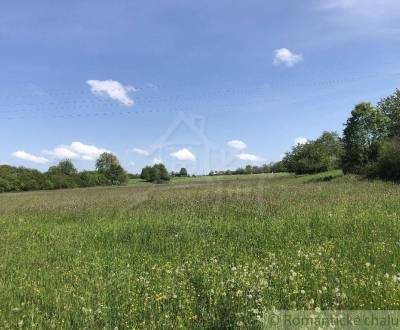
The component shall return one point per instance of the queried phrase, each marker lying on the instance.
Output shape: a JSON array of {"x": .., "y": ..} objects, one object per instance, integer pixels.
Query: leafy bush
[
  {"x": 61, "y": 176},
  {"x": 158, "y": 173},
  {"x": 388, "y": 165},
  {"x": 22, "y": 179},
  {"x": 92, "y": 179},
  {"x": 320, "y": 155}
]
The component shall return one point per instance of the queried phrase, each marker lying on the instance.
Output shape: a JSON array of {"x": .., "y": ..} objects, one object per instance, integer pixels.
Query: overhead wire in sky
[{"x": 8, "y": 111}]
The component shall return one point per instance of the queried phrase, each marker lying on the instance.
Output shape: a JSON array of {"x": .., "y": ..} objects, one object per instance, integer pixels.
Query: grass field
[{"x": 197, "y": 253}]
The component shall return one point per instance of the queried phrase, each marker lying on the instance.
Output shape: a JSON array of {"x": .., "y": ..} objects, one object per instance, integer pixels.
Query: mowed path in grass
[{"x": 197, "y": 254}]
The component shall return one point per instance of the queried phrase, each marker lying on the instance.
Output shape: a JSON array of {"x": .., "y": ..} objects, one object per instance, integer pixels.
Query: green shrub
[
  {"x": 158, "y": 173},
  {"x": 22, "y": 179},
  {"x": 92, "y": 179},
  {"x": 388, "y": 166}
]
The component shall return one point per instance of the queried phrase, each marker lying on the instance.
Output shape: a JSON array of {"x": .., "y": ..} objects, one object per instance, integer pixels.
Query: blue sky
[{"x": 79, "y": 78}]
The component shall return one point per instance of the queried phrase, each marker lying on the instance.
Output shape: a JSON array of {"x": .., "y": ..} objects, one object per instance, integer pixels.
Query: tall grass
[{"x": 210, "y": 255}]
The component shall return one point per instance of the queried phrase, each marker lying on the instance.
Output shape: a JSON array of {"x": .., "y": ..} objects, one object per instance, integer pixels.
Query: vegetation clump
[
  {"x": 63, "y": 175},
  {"x": 157, "y": 173}
]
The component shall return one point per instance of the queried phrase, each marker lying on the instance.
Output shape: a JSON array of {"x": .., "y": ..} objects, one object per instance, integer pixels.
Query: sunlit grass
[{"x": 211, "y": 255}]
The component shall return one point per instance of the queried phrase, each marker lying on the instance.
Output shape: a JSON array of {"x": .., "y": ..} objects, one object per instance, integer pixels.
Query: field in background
[
  {"x": 206, "y": 178},
  {"x": 214, "y": 254}
]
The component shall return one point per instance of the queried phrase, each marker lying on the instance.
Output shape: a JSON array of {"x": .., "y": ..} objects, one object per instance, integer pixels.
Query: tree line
[
  {"x": 63, "y": 175},
  {"x": 369, "y": 146},
  {"x": 158, "y": 173},
  {"x": 252, "y": 169}
]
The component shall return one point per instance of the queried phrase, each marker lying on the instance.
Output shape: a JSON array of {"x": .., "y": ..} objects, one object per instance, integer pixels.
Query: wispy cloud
[
  {"x": 113, "y": 89},
  {"x": 249, "y": 157},
  {"x": 30, "y": 158},
  {"x": 286, "y": 57},
  {"x": 237, "y": 144},
  {"x": 141, "y": 151},
  {"x": 183, "y": 154}
]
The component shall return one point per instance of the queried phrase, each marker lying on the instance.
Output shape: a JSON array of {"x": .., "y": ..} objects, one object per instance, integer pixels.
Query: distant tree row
[
  {"x": 370, "y": 145},
  {"x": 249, "y": 169},
  {"x": 182, "y": 173},
  {"x": 158, "y": 173},
  {"x": 64, "y": 175}
]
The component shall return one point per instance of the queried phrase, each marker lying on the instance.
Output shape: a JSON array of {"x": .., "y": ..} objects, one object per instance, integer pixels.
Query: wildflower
[{"x": 368, "y": 264}]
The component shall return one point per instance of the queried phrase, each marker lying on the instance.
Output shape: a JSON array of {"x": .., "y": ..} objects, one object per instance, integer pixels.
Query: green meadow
[{"x": 204, "y": 252}]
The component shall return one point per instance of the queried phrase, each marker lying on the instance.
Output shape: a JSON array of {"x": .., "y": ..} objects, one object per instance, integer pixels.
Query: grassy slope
[{"x": 210, "y": 255}]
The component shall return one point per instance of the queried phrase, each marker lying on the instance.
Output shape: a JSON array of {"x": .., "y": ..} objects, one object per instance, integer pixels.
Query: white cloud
[
  {"x": 300, "y": 140},
  {"x": 112, "y": 89},
  {"x": 249, "y": 157},
  {"x": 183, "y": 154},
  {"x": 237, "y": 144},
  {"x": 157, "y": 161},
  {"x": 131, "y": 163},
  {"x": 286, "y": 57},
  {"x": 76, "y": 150},
  {"x": 141, "y": 151},
  {"x": 30, "y": 158},
  {"x": 62, "y": 152}
]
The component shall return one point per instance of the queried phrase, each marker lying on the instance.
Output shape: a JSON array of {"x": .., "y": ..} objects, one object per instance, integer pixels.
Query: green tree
[
  {"x": 163, "y": 172},
  {"x": 146, "y": 173},
  {"x": 322, "y": 154},
  {"x": 64, "y": 175},
  {"x": 183, "y": 172},
  {"x": 158, "y": 173},
  {"x": 365, "y": 130},
  {"x": 248, "y": 169},
  {"x": 108, "y": 165},
  {"x": 278, "y": 167},
  {"x": 388, "y": 166},
  {"x": 64, "y": 167},
  {"x": 390, "y": 106}
]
